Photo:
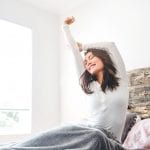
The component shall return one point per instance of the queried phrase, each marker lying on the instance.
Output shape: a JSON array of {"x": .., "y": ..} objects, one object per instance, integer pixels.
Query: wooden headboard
[{"x": 139, "y": 91}]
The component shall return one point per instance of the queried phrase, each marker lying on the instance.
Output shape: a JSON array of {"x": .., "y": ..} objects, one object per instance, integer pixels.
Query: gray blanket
[{"x": 67, "y": 137}]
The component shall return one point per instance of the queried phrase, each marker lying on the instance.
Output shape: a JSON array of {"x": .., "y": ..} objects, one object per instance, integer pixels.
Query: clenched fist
[{"x": 69, "y": 20}]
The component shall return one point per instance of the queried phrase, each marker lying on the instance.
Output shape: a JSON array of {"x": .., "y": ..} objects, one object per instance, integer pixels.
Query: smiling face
[{"x": 93, "y": 64}]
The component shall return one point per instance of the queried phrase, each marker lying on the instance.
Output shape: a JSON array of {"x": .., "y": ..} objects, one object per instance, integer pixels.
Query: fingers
[
  {"x": 71, "y": 17},
  {"x": 70, "y": 20}
]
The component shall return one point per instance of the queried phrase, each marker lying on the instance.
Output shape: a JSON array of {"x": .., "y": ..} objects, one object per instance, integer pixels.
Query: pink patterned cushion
[{"x": 139, "y": 136}]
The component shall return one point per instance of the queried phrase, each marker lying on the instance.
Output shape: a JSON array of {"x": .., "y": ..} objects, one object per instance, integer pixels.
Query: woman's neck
[{"x": 99, "y": 77}]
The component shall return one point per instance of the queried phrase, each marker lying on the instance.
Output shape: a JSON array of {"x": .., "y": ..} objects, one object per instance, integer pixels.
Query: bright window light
[{"x": 15, "y": 78}]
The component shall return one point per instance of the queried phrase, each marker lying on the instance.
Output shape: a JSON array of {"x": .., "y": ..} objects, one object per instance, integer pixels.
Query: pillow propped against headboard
[{"x": 139, "y": 136}]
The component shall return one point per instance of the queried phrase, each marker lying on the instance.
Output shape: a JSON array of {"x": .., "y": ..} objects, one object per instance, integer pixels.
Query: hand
[
  {"x": 80, "y": 46},
  {"x": 69, "y": 20}
]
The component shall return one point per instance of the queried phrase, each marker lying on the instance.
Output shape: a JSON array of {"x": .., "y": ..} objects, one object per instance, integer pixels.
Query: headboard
[{"x": 139, "y": 91}]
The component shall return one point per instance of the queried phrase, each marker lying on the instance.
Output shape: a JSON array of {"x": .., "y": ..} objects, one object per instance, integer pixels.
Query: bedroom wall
[
  {"x": 126, "y": 22},
  {"x": 45, "y": 85}
]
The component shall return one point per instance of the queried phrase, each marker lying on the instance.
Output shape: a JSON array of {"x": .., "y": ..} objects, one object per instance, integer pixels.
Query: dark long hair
[{"x": 110, "y": 81}]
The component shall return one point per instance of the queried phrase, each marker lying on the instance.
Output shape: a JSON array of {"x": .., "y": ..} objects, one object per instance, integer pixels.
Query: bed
[{"x": 136, "y": 133}]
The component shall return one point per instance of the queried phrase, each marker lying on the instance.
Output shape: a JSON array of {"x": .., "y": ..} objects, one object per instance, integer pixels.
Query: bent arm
[
  {"x": 115, "y": 56},
  {"x": 75, "y": 49}
]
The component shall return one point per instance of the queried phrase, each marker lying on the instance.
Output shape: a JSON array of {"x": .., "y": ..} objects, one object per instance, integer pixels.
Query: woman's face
[{"x": 92, "y": 63}]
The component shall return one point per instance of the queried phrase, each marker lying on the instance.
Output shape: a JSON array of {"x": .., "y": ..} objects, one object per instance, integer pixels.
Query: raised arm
[
  {"x": 74, "y": 47},
  {"x": 115, "y": 55}
]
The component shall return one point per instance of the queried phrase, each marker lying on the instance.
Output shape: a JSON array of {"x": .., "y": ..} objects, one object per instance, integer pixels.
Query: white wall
[
  {"x": 45, "y": 85},
  {"x": 125, "y": 22}
]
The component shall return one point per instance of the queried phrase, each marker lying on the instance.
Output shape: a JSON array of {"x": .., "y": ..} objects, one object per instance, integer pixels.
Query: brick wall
[{"x": 139, "y": 91}]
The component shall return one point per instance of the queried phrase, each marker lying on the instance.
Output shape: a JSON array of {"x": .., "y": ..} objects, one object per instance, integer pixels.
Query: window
[{"x": 15, "y": 78}]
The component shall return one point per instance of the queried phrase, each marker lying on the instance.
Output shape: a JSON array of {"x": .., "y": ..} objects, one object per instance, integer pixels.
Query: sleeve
[
  {"x": 74, "y": 47},
  {"x": 115, "y": 56}
]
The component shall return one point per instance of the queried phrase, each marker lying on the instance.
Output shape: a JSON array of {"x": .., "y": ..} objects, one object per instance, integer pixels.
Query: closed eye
[{"x": 90, "y": 57}]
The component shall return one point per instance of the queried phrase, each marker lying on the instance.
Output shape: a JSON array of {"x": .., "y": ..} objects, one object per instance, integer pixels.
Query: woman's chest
[{"x": 100, "y": 99}]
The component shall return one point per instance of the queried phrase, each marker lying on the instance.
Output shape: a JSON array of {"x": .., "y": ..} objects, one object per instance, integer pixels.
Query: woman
[
  {"x": 103, "y": 71},
  {"x": 103, "y": 79}
]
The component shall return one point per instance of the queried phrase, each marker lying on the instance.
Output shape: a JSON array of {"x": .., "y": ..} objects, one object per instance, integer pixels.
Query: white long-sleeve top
[{"x": 106, "y": 110}]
